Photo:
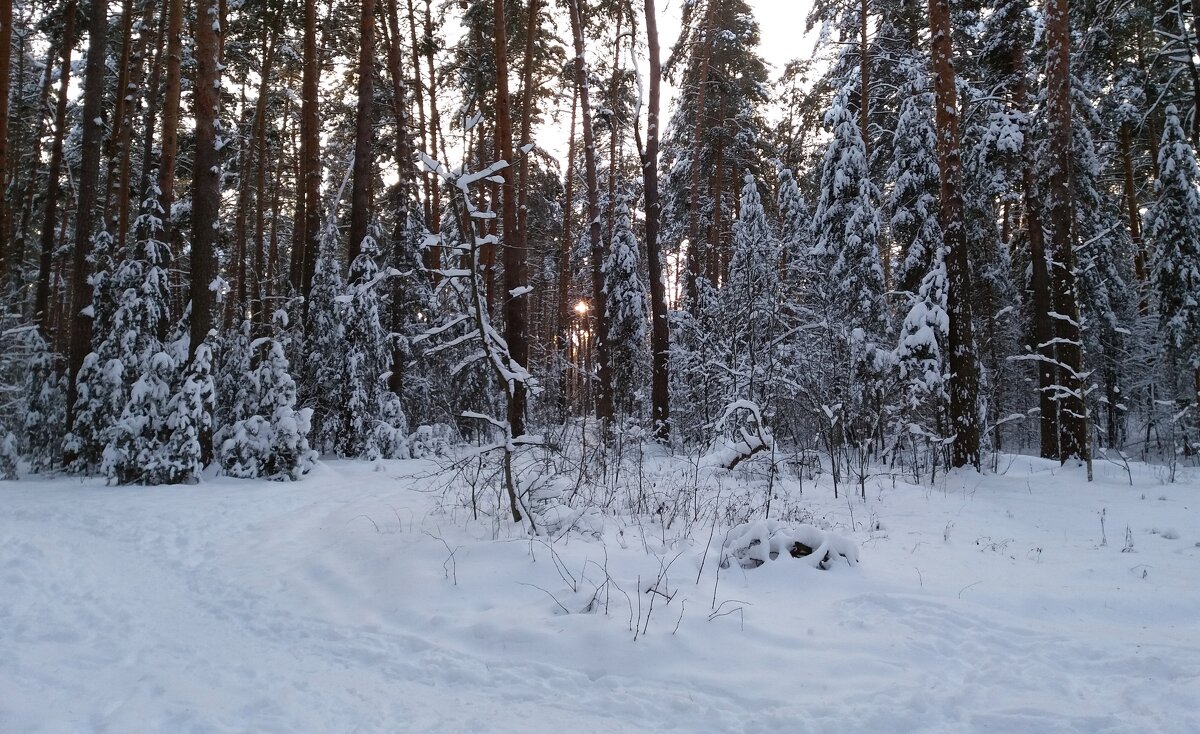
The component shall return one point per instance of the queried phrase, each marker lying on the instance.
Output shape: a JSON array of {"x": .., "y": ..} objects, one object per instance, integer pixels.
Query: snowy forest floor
[{"x": 358, "y": 601}]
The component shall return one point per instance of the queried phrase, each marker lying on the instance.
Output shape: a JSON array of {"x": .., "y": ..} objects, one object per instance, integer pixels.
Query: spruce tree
[
  {"x": 1173, "y": 231},
  {"x": 628, "y": 316}
]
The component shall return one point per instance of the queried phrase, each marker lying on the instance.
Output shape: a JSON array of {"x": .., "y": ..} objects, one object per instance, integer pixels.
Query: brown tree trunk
[
  {"x": 85, "y": 210},
  {"x": 610, "y": 204},
  {"x": 964, "y": 368},
  {"x": 404, "y": 186},
  {"x": 563, "y": 334},
  {"x": 1043, "y": 299},
  {"x": 528, "y": 95},
  {"x": 236, "y": 311},
  {"x": 31, "y": 179},
  {"x": 170, "y": 113},
  {"x": 360, "y": 196},
  {"x": 693, "y": 253},
  {"x": 206, "y": 177},
  {"x": 660, "y": 335},
  {"x": 112, "y": 149},
  {"x": 6, "y": 253},
  {"x": 419, "y": 98},
  {"x": 1135, "y": 218},
  {"x": 515, "y": 276},
  {"x": 435, "y": 123},
  {"x": 310, "y": 153},
  {"x": 1072, "y": 420},
  {"x": 152, "y": 97},
  {"x": 260, "y": 182},
  {"x": 598, "y": 310},
  {"x": 41, "y": 312}
]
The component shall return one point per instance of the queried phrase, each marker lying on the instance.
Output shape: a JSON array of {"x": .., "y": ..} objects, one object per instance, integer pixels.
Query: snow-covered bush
[{"x": 754, "y": 543}]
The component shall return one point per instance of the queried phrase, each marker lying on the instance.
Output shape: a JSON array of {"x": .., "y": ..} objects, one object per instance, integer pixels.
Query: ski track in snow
[{"x": 330, "y": 606}]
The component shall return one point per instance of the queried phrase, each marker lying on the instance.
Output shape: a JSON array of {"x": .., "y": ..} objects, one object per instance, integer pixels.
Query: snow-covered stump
[{"x": 752, "y": 544}]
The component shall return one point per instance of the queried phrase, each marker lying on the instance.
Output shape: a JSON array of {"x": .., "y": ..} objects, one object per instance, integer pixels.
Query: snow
[{"x": 367, "y": 599}]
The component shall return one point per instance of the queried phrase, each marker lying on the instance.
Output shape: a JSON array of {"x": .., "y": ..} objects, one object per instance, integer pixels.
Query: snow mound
[{"x": 752, "y": 544}]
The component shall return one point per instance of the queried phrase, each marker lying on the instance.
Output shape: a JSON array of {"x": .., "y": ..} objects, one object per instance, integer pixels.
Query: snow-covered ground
[{"x": 361, "y": 600}]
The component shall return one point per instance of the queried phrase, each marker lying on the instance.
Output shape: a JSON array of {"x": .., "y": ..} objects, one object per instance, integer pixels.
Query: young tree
[
  {"x": 627, "y": 315},
  {"x": 1173, "y": 231}
]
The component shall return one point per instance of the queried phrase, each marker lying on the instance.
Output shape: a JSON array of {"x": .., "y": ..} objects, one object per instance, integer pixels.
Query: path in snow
[{"x": 332, "y": 605}]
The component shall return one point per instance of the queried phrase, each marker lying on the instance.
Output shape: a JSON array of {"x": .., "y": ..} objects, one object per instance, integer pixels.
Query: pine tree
[
  {"x": 46, "y": 412},
  {"x": 912, "y": 202},
  {"x": 628, "y": 317},
  {"x": 273, "y": 442},
  {"x": 795, "y": 221},
  {"x": 846, "y": 227},
  {"x": 324, "y": 346},
  {"x": 367, "y": 358},
  {"x": 749, "y": 300},
  {"x": 1173, "y": 231},
  {"x": 179, "y": 459}
]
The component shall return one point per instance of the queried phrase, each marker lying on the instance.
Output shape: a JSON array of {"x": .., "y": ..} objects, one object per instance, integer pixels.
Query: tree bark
[
  {"x": 964, "y": 367},
  {"x": 206, "y": 177},
  {"x": 598, "y": 310},
  {"x": 260, "y": 183},
  {"x": 170, "y": 119},
  {"x": 1043, "y": 299},
  {"x": 564, "y": 265},
  {"x": 41, "y": 306},
  {"x": 693, "y": 252},
  {"x": 85, "y": 210},
  {"x": 1072, "y": 420},
  {"x": 515, "y": 276},
  {"x": 360, "y": 196},
  {"x": 6, "y": 251},
  {"x": 660, "y": 335},
  {"x": 310, "y": 154}
]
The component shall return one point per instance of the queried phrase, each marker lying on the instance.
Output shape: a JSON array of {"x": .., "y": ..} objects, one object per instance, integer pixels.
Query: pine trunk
[
  {"x": 660, "y": 335},
  {"x": 206, "y": 177},
  {"x": 360, "y": 197},
  {"x": 85, "y": 209},
  {"x": 170, "y": 119},
  {"x": 964, "y": 367},
  {"x": 598, "y": 310},
  {"x": 41, "y": 308},
  {"x": 1072, "y": 418}
]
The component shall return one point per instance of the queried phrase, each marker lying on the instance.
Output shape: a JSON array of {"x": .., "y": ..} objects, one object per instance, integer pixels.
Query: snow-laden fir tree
[
  {"x": 180, "y": 458},
  {"x": 102, "y": 384},
  {"x": 846, "y": 227},
  {"x": 364, "y": 409},
  {"x": 795, "y": 223},
  {"x": 628, "y": 316},
  {"x": 324, "y": 345},
  {"x": 912, "y": 205},
  {"x": 136, "y": 438},
  {"x": 919, "y": 352},
  {"x": 233, "y": 363},
  {"x": 273, "y": 441},
  {"x": 143, "y": 308},
  {"x": 1104, "y": 260},
  {"x": 46, "y": 412},
  {"x": 410, "y": 306},
  {"x": 749, "y": 301},
  {"x": 1173, "y": 233}
]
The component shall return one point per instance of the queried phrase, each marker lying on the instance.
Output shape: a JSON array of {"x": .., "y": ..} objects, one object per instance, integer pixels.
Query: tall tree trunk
[
  {"x": 85, "y": 210},
  {"x": 563, "y": 333},
  {"x": 693, "y": 253},
  {"x": 310, "y": 153},
  {"x": 31, "y": 180},
  {"x": 528, "y": 95},
  {"x": 152, "y": 97},
  {"x": 6, "y": 251},
  {"x": 260, "y": 183},
  {"x": 1043, "y": 299},
  {"x": 435, "y": 123},
  {"x": 610, "y": 204},
  {"x": 405, "y": 195},
  {"x": 1072, "y": 420},
  {"x": 660, "y": 335},
  {"x": 112, "y": 150},
  {"x": 170, "y": 114},
  {"x": 206, "y": 177},
  {"x": 598, "y": 311},
  {"x": 41, "y": 308},
  {"x": 419, "y": 98},
  {"x": 516, "y": 303},
  {"x": 360, "y": 196},
  {"x": 964, "y": 367},
  {"x": 241, "y": 228}
]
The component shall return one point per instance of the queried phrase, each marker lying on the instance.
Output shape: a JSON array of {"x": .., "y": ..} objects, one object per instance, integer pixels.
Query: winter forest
[{"x": 535, "y": 270}]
